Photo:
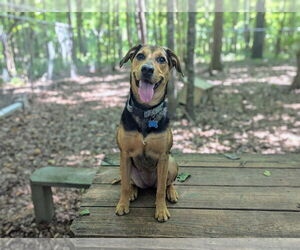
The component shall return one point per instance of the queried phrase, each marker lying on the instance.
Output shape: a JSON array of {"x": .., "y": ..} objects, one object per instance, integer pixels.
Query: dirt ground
[{"x": 73, "y": 123}]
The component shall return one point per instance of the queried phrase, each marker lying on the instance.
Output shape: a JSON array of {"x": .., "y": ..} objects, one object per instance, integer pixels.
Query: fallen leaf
[
  {"x": 267, "y": 173},
  {"x": 84, "y": 212},
  {"x": 232, "y": 156},
  {"x": 37, "y": 151},
  {"x": 182, "y": 177},
  {"x": 115, "y": 181},
  {"x": 52, "y": 162}
]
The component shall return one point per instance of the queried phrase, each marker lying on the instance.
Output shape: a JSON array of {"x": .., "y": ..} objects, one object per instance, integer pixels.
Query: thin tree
[
  {"x": 170, "y": 43},
  {"x": 141, "y": 21},
  {"x": 235, "y": 19},
  {"x": 118, "y": 33},
  {"x": 191, "y": 40},
  {"x": 128, "y": 24},
  {"x": 81, "y": 46},
  {"x": 7, "y": 48},
  {"x": 280, "y": 31},
  {"x": 155, "y": 26},
  {"x": 8, "y": 55},
  {"x": 247, "y": 34},
  {"x": 217, "y": 37},
  {"x": 259, "y": 33},
  {"x": 296, "y": 81},
  {"x": 99, "y": 33},
  {"x": 160, "y": 18},
  {"x": 73, "y": 69}
]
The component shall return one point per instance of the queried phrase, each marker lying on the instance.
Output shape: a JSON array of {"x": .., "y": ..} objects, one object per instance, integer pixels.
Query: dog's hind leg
[
  {"x": 172, "y": 194},
  {"x": 133, "y": 192}
]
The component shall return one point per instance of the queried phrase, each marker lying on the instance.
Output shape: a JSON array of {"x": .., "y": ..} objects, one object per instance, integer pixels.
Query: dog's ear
[
  {"x": 130, "y": 54},
  {"x": 173, "y": 61}
]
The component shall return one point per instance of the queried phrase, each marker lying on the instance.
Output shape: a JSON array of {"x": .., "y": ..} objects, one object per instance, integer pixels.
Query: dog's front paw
[
  {"x": 122, "y": 208},
  {"x": 162, "y": 213}
]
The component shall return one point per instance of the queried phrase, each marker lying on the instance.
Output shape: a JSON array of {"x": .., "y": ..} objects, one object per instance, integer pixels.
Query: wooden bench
[
  {"x": 222, "y": 198},
  {"x": 43, "y": 179}
]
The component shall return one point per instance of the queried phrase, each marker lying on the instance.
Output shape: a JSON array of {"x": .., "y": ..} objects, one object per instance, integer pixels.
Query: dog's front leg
[
  {"x": 125, "y": 167},
  {"x": 162, "y": 214}
]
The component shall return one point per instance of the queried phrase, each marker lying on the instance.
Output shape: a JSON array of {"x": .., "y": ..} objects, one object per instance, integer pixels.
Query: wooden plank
[
  {"x": 252, "y": 198},
  {"x": 63, "y": 176},
  {"x": 219, "y": 160},
  {"x": 187, "y": 244},
  {"x": 140, "y": 222},
  {"x": 222, "y": 176}
]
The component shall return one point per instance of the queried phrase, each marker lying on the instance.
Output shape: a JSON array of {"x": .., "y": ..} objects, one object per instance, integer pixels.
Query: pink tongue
[{"x": 146, "y": 91}]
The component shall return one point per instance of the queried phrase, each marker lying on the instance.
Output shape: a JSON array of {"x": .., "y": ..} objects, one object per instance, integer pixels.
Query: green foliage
[
  {"x": 17, "y": 82},
  {"x": 104, "y": 40}
]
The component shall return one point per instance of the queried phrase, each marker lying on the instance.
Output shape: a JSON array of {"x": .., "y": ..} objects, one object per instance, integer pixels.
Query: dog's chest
[
  {"x": 147, "y": 148},
  {"x": 145, "y": 162}
]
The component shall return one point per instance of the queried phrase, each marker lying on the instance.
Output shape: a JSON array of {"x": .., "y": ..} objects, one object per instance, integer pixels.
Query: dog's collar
[{"x": 149, "y": 114}]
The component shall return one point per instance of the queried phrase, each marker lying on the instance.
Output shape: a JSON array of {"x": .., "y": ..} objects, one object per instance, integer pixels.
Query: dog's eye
[
  {"x": 140, "y": 56},
  {"x": 161, "y": 59}
]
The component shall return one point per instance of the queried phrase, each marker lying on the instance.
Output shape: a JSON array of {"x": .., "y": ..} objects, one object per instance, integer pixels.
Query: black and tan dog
[{"x": 144, "y": 136}]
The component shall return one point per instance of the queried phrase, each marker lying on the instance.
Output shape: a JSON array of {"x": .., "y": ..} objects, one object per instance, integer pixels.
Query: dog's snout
[{"x": 147, "y": 70}]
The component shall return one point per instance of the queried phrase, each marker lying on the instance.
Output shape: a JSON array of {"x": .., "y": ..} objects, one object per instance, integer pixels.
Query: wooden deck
[{"x": 222, "y": 198}]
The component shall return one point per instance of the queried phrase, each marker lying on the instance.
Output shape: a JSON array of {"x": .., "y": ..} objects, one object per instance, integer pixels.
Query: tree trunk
[
  {"x": 296, "y": 81},
  {"x": 191, "y": 39},
  {"x": 30, "y": 49},
  {"x": 81, "y": 46},
  {"x": 155, "y": 28},
  {"x": 119, "y": 33},
  {"x": 160, "y": 18},
  {"x": 99, "y": 54},
  {"x": 108, "y": 47},
  {"x": 234, "y": 36},
  {"x": 217, "y": 36},
  {"x": 113, "y": 39},
  {"x": 73, "y": 69},
  {"x": 128, "y": 25},
  {"x": 137, "y": 24},
  {"x": 281, "y": 25},
  {"x": 142, "y": 20},
  {"x": 8, "y": 55},
  {"x": 182, "y": 39},
  {"x": 259, "y": 33},
  {"x": 170, "y": 39}
]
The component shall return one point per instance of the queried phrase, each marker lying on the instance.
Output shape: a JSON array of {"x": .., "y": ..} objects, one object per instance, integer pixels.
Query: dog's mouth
[{"x": 146, "y": 89}]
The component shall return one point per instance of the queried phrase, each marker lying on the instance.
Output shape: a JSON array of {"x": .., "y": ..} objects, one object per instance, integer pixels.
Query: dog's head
[{"x": 150, "y": 72}]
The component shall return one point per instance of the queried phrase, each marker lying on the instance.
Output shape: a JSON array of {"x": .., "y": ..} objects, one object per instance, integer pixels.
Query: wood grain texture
[
  {"x": 219, "y": 160},
  {"x": 222, "y": 198},
  {"x": 252, "y": 198},
  {"x": 63, "y": 176},
  {"x": 221, "y": 176},
  {"x": 140, "y": 222},
  {"x": 187, "y": 243}
]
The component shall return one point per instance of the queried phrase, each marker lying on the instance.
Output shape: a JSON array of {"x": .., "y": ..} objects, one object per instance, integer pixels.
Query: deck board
[
  {"x": 222, "y": 198},
  {"x": 250, "y": 198},
  {"x": 221, "y": 176},
  {"x": 188, "y": 223},
  {"x": 219, "y": 160}
]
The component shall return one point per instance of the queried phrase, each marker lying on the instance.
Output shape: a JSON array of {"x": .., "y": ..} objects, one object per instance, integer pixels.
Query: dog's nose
[{"x": 147, "y": 70}]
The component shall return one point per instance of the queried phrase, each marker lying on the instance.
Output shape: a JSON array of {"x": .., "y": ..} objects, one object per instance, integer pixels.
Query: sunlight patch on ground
[
  {"x": 278, "y": 75},
  {"x": 104, "y": 94},
  {"x": 295, "y": 106}
]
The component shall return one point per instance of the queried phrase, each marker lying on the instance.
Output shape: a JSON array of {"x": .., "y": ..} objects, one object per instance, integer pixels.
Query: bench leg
[{"x": 42, "y": 202}]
